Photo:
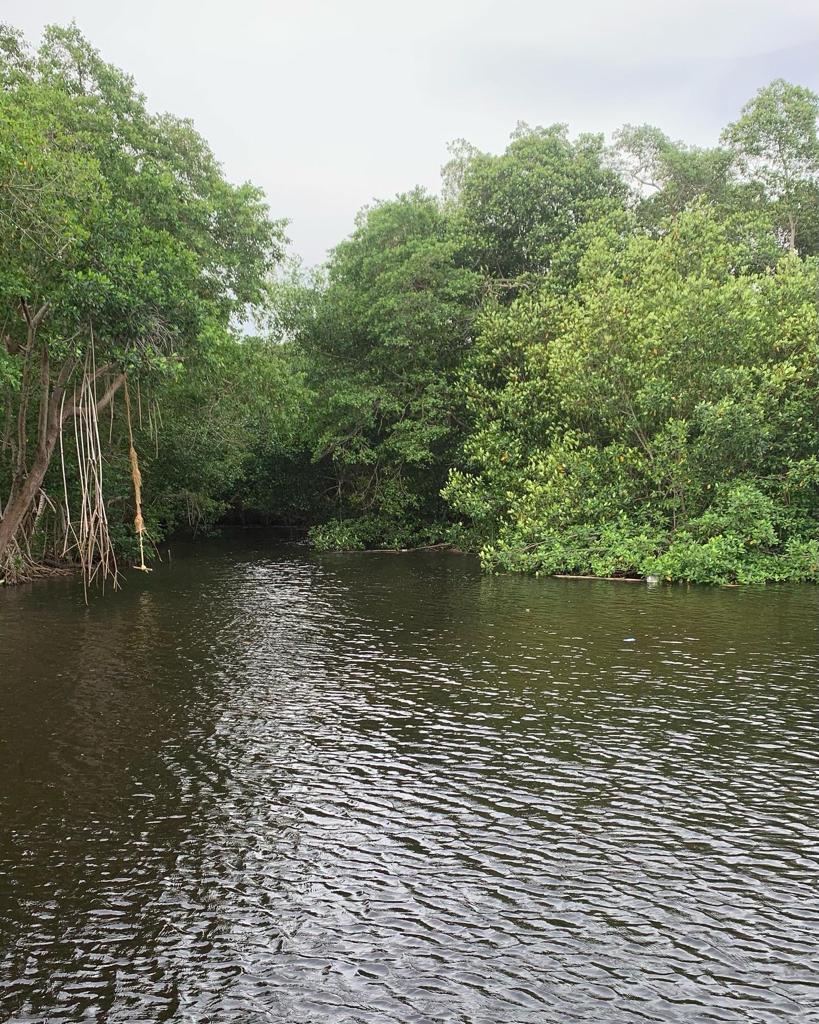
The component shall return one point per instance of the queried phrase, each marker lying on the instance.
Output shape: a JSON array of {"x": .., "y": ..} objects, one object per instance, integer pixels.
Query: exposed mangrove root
[
  {"x": 19, "y": 564},
  {"x": 92, "y": 539}
]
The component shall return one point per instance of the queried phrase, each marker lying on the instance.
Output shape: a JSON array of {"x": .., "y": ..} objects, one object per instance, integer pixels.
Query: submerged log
[{"x": 407, "y": 551}]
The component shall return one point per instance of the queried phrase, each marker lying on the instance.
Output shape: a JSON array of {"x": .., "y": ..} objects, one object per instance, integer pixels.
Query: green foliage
[
  {"x": 657, "y": 418},
  {"x": 381, "y": 348},
  {"x": 514, "y": 210},
  {"x": 742, "y": 537},
  {"x": 373, "y": 531},
  {"x": 578, "y": 360},
  {"x": 636, "y": 393},
  {"x": 120, "y": 238},
  {"x": 668, "y": 176},
  {"x": 342, "y": 535},
  {"x": 218, "y": 426},
  {"x": 776, "y": 144},
  {"x": 116, "y": 216}
]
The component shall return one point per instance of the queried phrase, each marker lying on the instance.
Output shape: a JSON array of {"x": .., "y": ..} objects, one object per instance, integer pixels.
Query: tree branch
[
  {"x": 102, "y": 403},
  {"x": 113, "y": 388}
]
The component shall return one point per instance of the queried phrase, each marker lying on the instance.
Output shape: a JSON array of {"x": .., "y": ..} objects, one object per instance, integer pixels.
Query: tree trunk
[{"x": 23, "y": 496}]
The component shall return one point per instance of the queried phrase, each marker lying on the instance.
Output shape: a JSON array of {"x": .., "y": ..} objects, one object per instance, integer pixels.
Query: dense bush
[{"x": 659, "y": 418}]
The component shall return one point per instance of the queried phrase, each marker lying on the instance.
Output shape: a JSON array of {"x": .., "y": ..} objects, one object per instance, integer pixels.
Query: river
[{"x": 261, "y": 784}]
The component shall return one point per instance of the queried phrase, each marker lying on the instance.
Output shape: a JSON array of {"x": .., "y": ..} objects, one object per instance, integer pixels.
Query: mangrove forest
[{"x": 582, "y": 356}]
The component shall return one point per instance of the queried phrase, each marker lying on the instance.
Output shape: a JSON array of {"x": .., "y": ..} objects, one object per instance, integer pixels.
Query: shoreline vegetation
[{"x": 585, "y": 358}]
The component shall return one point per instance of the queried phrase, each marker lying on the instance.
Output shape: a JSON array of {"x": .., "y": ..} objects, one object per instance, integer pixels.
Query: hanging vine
[{"x": 136, "y": 477}]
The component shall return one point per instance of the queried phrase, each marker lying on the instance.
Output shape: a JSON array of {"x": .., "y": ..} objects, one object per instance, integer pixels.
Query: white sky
[{"x": 329, "y": 105}]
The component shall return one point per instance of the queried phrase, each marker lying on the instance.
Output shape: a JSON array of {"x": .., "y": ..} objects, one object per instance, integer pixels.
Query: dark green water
[{"x": 260, "y": 785}]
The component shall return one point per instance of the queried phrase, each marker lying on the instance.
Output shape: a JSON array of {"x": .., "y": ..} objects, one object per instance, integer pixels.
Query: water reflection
[{"x": 266, "y": 786}]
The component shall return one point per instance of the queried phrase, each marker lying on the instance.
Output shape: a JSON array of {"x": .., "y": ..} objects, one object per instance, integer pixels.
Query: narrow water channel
[{"x": 264, "y": 785}]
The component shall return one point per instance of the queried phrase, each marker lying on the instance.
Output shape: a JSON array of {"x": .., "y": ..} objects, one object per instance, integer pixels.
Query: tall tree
[
  {"x": 776, "y": 143},
  {"x": 382, "y": 350},
  {"x": 515, "y": 210},
  {"x": 122, "y": 246},
  {"x": 668, "y": 176}
]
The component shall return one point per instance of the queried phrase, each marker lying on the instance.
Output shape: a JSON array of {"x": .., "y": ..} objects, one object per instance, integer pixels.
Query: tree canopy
[
  {"x": 579, "y": 358},
  {"x": 123, "y": 247}
]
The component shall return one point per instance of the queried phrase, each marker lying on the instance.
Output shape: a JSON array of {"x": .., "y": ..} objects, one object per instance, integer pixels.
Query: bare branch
[
  {"x": 37, "y": 319},
  {"x": 108, "y": 396}
]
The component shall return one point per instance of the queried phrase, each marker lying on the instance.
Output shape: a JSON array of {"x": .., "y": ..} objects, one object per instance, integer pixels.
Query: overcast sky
[{"x": 329, "y": 105}]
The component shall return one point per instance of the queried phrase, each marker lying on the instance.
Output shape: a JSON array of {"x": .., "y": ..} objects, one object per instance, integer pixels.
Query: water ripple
[{"x": 265, "y": 786}]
